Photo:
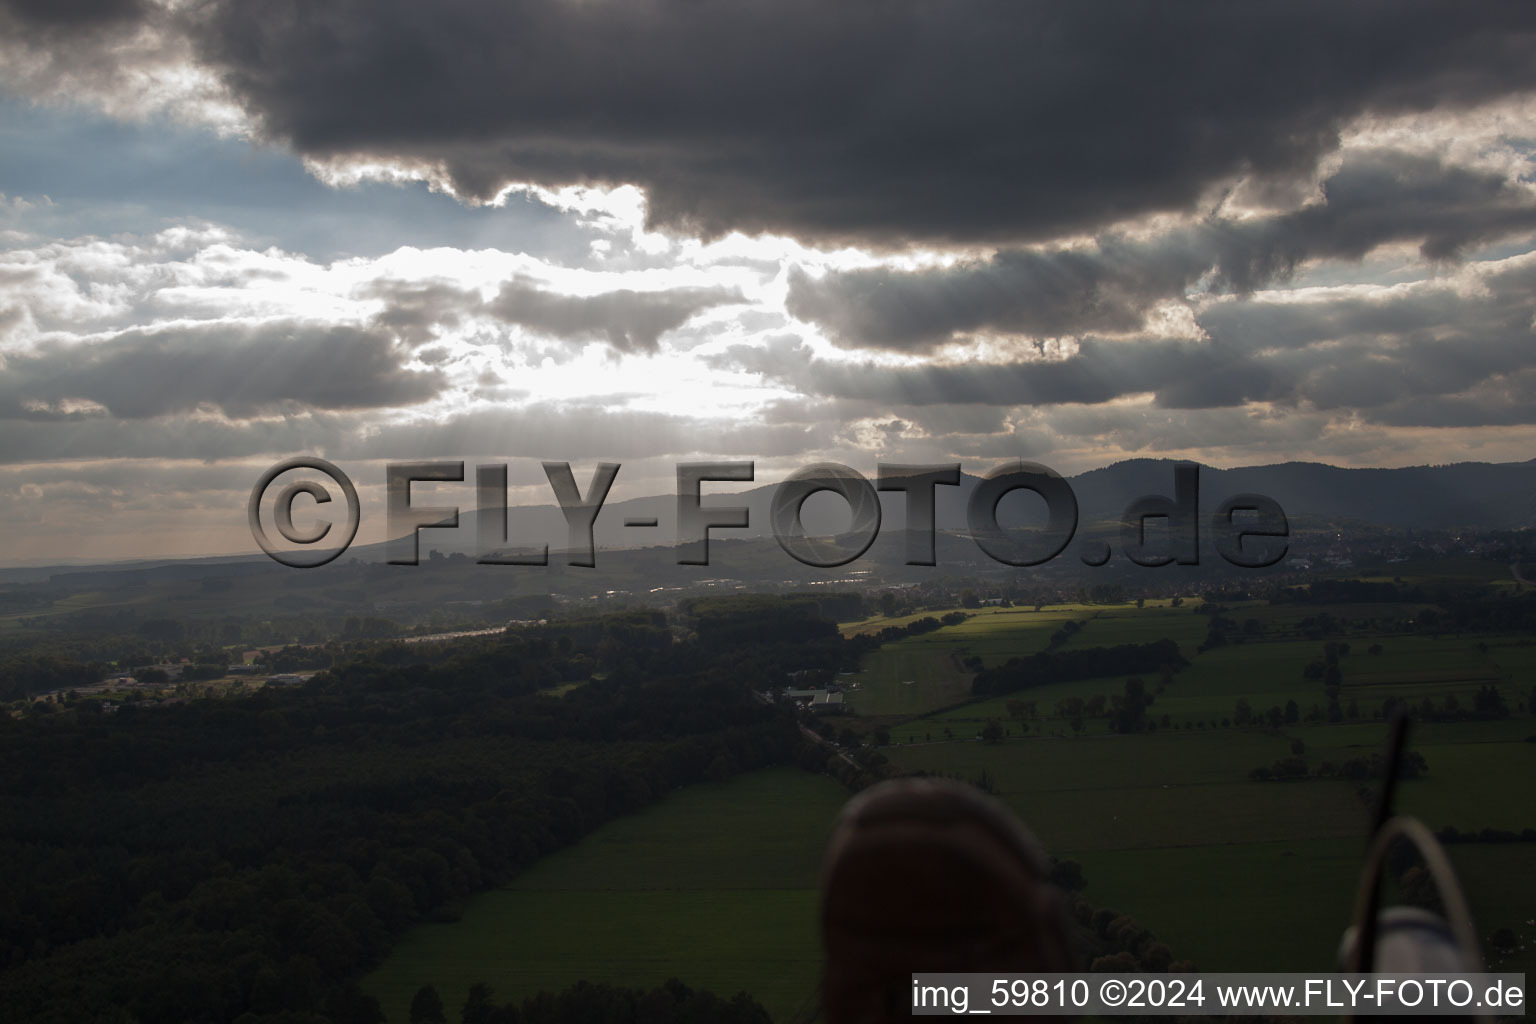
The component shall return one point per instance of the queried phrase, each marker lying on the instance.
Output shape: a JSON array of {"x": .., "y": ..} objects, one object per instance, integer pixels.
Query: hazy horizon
[{"x": 373, "y": 532}]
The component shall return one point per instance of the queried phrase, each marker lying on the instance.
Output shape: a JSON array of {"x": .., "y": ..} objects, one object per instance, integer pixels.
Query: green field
[
  {"x": 1258, "y": 919},
  {"x": 1284, "y": 906},
  {"x": 1168, "y": 825},
  {"x": 922, "y": 676},
  {"x": 1127, "y": 624},
  {"x": 715, "y": 885},
  {"x": 1169, "y": 831},
  {"x": 909, "y": 677},
  {"x": 919, "y": 674},
  {"x": 1163, "y": 790}
]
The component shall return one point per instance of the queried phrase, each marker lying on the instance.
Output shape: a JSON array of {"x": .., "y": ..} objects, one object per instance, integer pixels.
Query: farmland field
[
  {"x": 1165, "y": 790},
  {"x": 716, "y": 885},
  {"x": 910, "y": 677},
  {"x": 1260, "y": 924},
  {"x": 1168, "y": 825},
  {"x": 1257, "y": 923},
  {"x": 1163, "y": 820},
  {"x": 921, "y": 673},
  {"x": 1127, "y": 624}
]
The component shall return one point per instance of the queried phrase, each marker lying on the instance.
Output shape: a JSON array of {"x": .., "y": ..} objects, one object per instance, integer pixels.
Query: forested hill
[
  {"x": 247, "y": 859},
  {"x": 1465, "y": 495}
]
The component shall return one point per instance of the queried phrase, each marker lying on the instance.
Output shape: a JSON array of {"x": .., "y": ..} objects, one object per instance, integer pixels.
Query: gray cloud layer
[
  {"x": 1375, "y": 198},
  {"x": 543, "y": 430},
  {"x": 1433, "y": 355},
  {"x": 630, "y": 321},
  {"x": 242, "y": 370},
  {"x": 983, "y": 120}
]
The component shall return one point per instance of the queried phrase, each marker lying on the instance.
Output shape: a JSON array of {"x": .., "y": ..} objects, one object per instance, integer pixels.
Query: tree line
[
  {"x": 584, "y": 1001},
  {"x": 1055, "y": 666}
]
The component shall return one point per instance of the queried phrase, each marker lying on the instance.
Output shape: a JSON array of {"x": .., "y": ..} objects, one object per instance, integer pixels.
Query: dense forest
[{"x": 247, "y": 859}]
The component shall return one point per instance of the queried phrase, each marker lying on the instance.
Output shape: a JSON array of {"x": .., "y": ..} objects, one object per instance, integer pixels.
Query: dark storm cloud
[
  {"x": 1379, "y": 355},
  {"x": 1399, "y": 358},
  {"x": 1098, "y": 372},
  {"x": 1375, "y": 198},
  {"x": 11, "y": 317},
  {"x": 1041, "y": 293},
  {"x": 171, "y": 438},
  {"x": 414, "y": 310},
  {"x": 242, "y": 370},
  {"x": 629, "y": 321},
  {"x": 982, "y": 120},
  {"x": 1378, "y": 197},
  {"x": 1507, "y": 401},
  {"x": 72, "y": 14}
]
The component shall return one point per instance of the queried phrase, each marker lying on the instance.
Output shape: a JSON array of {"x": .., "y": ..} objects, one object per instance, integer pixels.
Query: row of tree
[{"x": 1055, "y": 666}]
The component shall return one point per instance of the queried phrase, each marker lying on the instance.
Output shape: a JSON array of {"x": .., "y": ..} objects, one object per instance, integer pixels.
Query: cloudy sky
[{"x": 788, "y": 231}]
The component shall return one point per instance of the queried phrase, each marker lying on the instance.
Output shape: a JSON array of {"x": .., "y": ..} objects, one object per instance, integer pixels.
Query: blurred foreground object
[{"x": 934, "y": 876}]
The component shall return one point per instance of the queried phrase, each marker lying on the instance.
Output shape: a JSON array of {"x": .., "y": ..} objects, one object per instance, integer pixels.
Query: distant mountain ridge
[
  {"x": 1476, "y": 495},
  {"x": 1459, "y": 495},
  {"x": 1465, "y": 494}
]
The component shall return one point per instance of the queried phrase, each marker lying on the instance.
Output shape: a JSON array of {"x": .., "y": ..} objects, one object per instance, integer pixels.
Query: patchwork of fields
[
  {"x": 717, "y": 884},
  {"x": 1235, "y": 874}
]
